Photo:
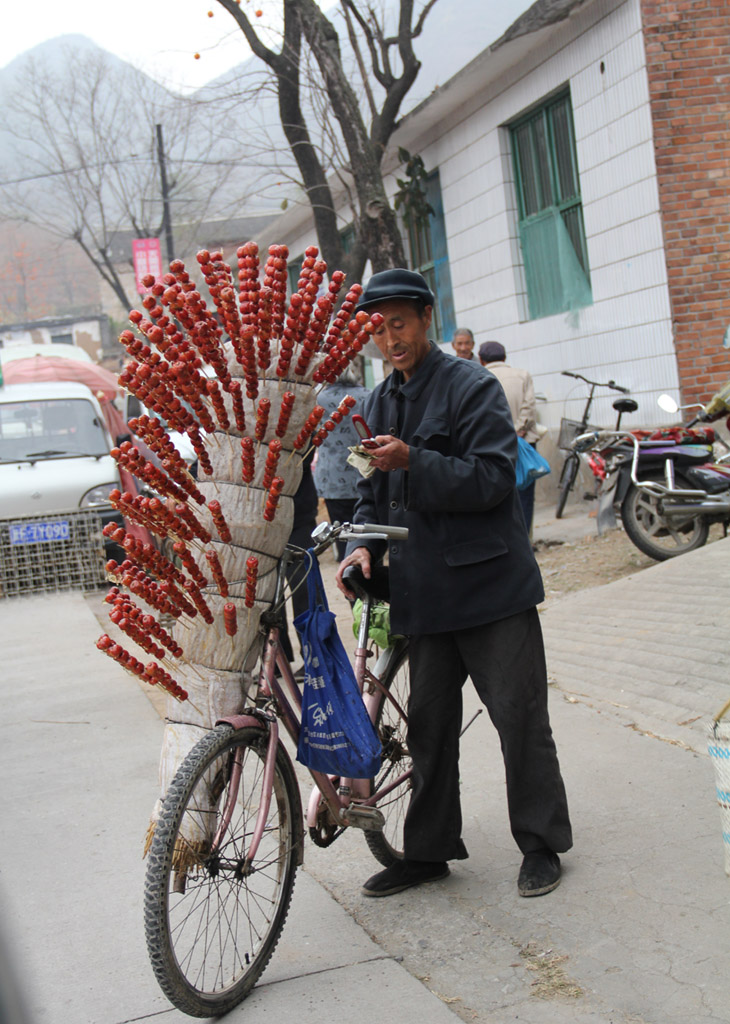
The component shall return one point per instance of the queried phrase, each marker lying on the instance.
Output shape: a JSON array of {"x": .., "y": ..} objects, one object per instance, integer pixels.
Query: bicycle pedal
[
  {"x": 368, "y": 818},
  {"x": 589, "y": 496}
]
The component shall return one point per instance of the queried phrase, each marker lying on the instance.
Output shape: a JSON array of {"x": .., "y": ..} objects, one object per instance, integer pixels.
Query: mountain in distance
[{"x": 248, "y": 123}]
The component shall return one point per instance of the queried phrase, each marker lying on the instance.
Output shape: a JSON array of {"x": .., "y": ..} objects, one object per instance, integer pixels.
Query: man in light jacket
[{"x": 520, "y": 392}]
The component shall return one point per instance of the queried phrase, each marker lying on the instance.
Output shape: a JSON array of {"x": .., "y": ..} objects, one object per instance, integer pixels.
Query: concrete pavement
[{"x": 638, "y": 931}]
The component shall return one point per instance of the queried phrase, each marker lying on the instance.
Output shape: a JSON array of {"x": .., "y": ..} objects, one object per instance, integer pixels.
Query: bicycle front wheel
[
  {"x": 387, "y": 846},
  {"x": 212, "y": 920}
]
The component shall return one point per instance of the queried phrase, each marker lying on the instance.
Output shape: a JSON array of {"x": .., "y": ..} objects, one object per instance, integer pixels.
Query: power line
[{"x": 115, "y": 163}]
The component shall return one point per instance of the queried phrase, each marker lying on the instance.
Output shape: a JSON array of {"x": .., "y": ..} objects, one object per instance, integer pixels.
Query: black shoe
[
  {"x": 540, "y": 873},
  {"x": 404, "y": 874}
]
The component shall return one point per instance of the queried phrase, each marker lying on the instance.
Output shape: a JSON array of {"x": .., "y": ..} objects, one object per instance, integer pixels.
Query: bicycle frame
[
  {"x": 351, "y": 803},
  {"x": 571, "y": 462}
]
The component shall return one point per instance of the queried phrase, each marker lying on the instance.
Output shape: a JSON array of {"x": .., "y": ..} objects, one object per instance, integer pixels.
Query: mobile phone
[{"x": 364, "y": 432}]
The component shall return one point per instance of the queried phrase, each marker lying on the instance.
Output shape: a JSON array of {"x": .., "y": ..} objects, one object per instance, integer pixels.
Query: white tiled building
[{"x": 626, "y": 332}]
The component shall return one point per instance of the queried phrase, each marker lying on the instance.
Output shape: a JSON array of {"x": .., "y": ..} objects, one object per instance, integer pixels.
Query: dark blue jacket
[{"x": 468, "y": 559}]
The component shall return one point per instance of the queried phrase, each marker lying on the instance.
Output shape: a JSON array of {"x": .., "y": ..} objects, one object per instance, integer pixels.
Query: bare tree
[
  {"x": 86, "y": 165},
  {"x": 386, "y": 66}
]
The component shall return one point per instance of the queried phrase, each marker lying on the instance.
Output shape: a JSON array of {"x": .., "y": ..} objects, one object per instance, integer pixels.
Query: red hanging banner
[{"x": 147, "y": 259}]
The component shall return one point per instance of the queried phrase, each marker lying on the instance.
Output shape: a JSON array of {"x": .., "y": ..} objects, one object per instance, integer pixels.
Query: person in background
[
  {"x": 336, "y": 480},
  {"x": 463, "y": 343},
  {"x": 520, "y": 392},
  {"x": 305, "y": 520},
  {"x": 463, "y": 587}
]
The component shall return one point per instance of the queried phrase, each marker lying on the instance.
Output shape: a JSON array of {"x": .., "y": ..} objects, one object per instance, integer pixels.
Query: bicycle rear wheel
[
  {"x": 387, "y": 846},
  {"x": 211, "y": 921},
  {"x": 567, "y": 479}
]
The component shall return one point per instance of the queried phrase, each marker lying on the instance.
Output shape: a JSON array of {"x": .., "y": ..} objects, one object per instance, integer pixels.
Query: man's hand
[
  {"x": 391, "y": 453},
  {"x": 361, "y": 557}
]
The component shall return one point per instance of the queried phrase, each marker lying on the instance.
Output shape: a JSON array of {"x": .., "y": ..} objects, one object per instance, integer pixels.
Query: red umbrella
[{"x": 38, "y": 368}]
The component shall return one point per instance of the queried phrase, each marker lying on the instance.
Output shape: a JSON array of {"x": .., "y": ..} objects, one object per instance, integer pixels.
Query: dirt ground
[{"x": 592, "y": 561}]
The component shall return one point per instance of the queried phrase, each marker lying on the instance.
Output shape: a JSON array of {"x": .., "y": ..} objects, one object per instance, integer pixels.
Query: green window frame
[
  {"x": 429, "y": 256},
  {"x": 552, "y": 233}
]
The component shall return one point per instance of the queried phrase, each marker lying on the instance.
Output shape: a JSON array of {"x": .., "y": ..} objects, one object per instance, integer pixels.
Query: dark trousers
[
  {"x": 527, "y": 500},
  {"x": 506, "y": 662}
]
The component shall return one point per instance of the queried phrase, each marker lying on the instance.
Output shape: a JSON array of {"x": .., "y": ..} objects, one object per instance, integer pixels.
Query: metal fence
[{"x": 45, "y": 554}]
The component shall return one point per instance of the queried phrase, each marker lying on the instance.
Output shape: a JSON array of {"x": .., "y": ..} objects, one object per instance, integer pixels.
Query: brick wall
[{"x": 688, "y": 63}]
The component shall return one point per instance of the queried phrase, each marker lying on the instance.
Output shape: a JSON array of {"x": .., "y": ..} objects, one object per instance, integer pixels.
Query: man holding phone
[{"x": 464, "y": 588}]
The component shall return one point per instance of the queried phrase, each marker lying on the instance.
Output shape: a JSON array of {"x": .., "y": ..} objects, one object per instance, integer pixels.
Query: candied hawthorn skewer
[
  {"x": 248, "y": 459},
  {"x": 312, "y": 420},
  {"x": 287, "y": 404},
  {"x": 272, "y": 500},
  {"x": 217, "y": 571},
  {"x": 237, "y": 400},
  {"x": 252, "y": 572},
  {"x": 272, "y": 460},
  {"x": 229, "y": 618},
  {"x": 262, "y": 419},
  {"x": 120, "y": 655},
  {"x": 219, "y": 519},
  {"x": 186, "y": 557}
]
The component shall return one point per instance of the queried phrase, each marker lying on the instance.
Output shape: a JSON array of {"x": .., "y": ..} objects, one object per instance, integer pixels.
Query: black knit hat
[{"x": 396, "y": 284}]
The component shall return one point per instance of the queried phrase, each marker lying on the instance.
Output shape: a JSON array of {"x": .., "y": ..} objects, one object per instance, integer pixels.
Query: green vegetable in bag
[{"x": 379, "y": 631}]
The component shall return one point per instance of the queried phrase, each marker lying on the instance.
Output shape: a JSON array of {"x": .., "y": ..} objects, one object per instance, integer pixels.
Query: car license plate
[{"x": 39, "y": 531}]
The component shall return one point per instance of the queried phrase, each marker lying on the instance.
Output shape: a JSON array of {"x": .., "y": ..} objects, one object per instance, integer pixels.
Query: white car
[{"x": 54, "y": 451}]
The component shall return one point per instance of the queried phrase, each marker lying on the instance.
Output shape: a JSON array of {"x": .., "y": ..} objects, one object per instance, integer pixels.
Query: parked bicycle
[
  {"x": 230, "y": 835},
  {"x": 570, "y": 429}
]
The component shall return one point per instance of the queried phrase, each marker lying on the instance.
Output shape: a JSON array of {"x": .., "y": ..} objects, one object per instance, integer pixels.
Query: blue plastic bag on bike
[
  {"x": 336, "y": 736},
  {"x": 530, "y": 465}
]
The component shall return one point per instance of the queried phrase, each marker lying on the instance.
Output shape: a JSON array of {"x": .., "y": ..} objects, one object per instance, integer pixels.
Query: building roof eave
[{"x": 529, "y": 32}]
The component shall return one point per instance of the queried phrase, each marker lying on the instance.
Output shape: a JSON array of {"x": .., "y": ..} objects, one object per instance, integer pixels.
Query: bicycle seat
[
  {"x": 625, "y": 405},
  {"x": 378, "y": 586}
]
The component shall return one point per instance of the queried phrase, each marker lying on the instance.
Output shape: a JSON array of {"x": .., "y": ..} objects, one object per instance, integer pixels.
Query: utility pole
[{"x": 166, "y": 221}]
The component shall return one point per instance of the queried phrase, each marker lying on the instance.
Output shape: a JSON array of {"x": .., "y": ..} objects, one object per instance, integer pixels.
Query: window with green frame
[
  {"x": 550, "y": 210},
  {"x": 430, "y": 258}
]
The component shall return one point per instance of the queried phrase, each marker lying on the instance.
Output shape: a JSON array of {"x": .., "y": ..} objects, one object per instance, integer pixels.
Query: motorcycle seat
[{"x": 625, "y": 405}]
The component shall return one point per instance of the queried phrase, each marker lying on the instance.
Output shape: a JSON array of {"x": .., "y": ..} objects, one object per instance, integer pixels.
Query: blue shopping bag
[
  {"x": 337, "y": 736},
  {"x": 530, "y": 465}
]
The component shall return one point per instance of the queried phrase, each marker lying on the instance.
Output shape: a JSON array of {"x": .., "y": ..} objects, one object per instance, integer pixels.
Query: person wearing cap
[
  {"x": 463, "y": 343},
  {"x": 336, "y": 480},
  {"x": 463, "y": 587},
  {"x": 520, "y": 392}
]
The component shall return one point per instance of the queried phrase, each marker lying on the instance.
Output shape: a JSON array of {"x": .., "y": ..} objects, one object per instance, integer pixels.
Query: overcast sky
[{"x": 162, "y": 36}]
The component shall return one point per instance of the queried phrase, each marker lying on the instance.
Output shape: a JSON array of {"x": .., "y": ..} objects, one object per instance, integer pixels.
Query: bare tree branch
[
  {"x": 85, "y": 140},
  {"x": 363, "y": 124}
]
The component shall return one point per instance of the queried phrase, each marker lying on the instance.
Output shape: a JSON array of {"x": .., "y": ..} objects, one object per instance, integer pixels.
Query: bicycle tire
[
  {"x": 387, "y": 846},
  {"x": 567, "y": 480},
  {"x": 210, "y": 927},
  {"x": 653, "y": 534}
]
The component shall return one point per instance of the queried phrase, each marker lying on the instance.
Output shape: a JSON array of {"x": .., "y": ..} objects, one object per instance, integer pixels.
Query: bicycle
[
  {"x": 570, "y": 429},
  {"x": 230, "y": 835}
]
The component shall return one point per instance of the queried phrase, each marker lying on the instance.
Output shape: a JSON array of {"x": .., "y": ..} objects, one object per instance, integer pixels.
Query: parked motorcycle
[{"x": 666, "y": 485}]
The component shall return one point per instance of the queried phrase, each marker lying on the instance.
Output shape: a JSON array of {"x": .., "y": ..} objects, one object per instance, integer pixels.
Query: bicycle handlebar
[
  {"x": 327, "y": 533},
  {"x": 597, "y": 384},
  {"x": 387, "y": 532}
]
